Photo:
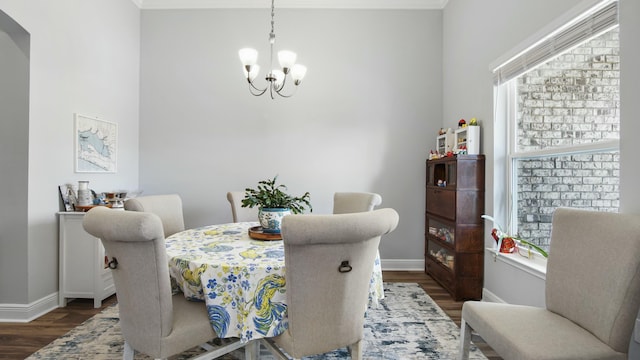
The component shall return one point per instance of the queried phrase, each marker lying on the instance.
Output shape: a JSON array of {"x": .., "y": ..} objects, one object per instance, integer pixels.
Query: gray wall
[
  {"x": 14, "y": 150},
  {"x": 472, "y": 44},
  {"x": 84, "y": 58},
  {"x": 364, "y": 118}
]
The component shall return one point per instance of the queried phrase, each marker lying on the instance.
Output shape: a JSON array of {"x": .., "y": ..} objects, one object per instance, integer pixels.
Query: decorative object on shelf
[
  {"x": 274, "y": 203},
  {"x": 509, "y": 243},
  {"x": 115, "y": 199},
  {"x": 467, "y": 140},
  {"x": 505, "y": 243},
  {"x": 68, "y": 197},
  {"x": 84, "y": 194},
  {"x": 276, "y": 78},
  {"x": 445, "y": 143}
]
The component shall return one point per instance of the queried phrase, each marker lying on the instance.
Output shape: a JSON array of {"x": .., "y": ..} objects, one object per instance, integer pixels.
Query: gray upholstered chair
[
  {"x": 153, "y": 321},
  {"x": 350, "y": 202},
  {"x": 167, "y": 207},
  {"x": 239, "y": 213},
  {"x": 592, "y": 295},
  {"x": 329, "y": 259}
]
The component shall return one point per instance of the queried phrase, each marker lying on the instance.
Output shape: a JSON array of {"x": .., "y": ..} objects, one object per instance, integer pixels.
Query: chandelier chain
[{"x": 273, "y": 14}]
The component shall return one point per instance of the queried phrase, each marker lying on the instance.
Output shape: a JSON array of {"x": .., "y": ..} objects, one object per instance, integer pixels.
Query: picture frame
[
  {"x": 96, "y": 145},
  {"x": 68, "y": 197}
]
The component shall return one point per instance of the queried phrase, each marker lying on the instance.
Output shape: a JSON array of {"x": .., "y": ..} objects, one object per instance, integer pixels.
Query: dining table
[{"x": 242, "y": 280}]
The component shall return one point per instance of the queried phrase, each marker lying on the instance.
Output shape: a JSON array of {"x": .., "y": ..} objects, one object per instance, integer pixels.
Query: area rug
[{"x": 407, "y": 325}]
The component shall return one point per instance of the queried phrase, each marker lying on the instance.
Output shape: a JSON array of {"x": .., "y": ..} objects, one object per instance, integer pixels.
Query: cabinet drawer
[
  {"x": 441, "y": 202},
  {"x": 440, "y": 274}
]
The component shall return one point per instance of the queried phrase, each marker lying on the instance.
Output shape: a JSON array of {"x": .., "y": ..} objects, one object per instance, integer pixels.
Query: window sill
[{"x": 536, "y": 266}]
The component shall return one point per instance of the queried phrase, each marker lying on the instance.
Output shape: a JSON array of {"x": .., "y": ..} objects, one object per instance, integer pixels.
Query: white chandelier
[{"x": 276, "y": 78}]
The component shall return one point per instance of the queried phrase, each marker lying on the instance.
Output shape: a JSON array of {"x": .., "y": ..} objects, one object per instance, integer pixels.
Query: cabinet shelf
[
  {"x": 440, "y": 242},
  {"x": 454, "y": 231},
  {"x": 441, "y": 231},
  {"x": 442, "y": 255}
]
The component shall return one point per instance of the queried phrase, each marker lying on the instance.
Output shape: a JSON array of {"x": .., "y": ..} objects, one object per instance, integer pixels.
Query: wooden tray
[
  {"x": 88, "y": 207},
  {"x": 256, "y": 233}
]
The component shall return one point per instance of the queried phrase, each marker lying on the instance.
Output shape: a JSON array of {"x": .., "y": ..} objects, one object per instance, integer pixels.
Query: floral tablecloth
[{"x": 241, "y": 280}]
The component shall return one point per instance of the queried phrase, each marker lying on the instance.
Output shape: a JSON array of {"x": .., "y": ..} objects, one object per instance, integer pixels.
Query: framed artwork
[
  {"x": 95, "y": 145},
  {"x": 68, "y": 196}
]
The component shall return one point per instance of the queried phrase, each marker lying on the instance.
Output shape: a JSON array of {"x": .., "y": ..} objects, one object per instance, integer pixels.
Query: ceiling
[{"x": 299, "y": 4}]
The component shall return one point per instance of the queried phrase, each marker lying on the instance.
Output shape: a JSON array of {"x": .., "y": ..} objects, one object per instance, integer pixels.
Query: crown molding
[{"x": 292, "y": 4}]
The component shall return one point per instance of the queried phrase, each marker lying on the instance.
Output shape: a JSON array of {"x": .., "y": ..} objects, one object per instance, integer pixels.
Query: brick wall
[{"x": 573, "y": 99}]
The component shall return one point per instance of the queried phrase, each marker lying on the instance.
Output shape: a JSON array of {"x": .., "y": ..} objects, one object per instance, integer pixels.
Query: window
[{"x": 560, "y": 104}]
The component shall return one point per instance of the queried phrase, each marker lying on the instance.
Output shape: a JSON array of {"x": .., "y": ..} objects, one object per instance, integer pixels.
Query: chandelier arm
[
  {"x": 284, "y": 81},
  {"x": 252, "y": 86},
  {"x": 257, "y": 92},
  {"x": 286, "y": 96}
]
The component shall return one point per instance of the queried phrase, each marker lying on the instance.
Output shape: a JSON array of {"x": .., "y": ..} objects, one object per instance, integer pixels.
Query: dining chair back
[
  {"x": 239, "y": 213},
  {"x": 592, "y": 295},
  {"x": 167, "y": 207},
  {"x": 152, "y": 320},
  {"x": 350, "y": 202},
  {"x": 329, "y": 261}
]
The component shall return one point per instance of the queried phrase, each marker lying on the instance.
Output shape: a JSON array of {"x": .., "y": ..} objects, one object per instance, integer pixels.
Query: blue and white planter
[{"x": 271, "y": 218}]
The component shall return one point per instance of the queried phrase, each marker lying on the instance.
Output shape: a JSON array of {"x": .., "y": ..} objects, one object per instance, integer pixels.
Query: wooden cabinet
[
  {"x": 454, "y": 228},
  {"x": 82, "y": 273}
]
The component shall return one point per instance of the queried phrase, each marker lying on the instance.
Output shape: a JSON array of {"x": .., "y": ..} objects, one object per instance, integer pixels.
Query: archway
[{"x": 15, "y": 43}]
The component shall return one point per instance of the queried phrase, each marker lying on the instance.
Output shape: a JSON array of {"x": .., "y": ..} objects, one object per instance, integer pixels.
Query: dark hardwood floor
[{"x": 19, "y": 340}]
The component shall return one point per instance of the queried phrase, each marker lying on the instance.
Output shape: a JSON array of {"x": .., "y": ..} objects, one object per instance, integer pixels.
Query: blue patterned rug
[{"x": 407, "y": 325}]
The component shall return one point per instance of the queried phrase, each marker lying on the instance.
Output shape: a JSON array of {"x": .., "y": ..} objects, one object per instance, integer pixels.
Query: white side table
[{"x": 82, "y": 273}]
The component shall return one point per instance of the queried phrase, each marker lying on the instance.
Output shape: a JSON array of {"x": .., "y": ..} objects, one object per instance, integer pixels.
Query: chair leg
[
  {"x": 356, "y": 350},
  {"x": 273, "y": 349},
  {"x": 252, "y": 350},
  {"x": 128, "y": 352},
  {"x": 465, "y": 340}
]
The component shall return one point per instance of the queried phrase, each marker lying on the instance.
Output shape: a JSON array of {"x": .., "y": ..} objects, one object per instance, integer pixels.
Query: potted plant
[
  {"x": 274, "y": 203},
  {"x": 509, "y": 243}
]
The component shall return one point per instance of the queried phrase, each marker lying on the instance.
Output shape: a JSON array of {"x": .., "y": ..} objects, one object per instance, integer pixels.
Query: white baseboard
[
  {"x": 488, "y": 296},
  {"x": 402, "y": 264},
  {"x": 24, "y": 313}
]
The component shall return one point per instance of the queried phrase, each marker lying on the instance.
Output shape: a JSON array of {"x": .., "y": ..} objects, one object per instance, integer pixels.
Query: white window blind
[{"x": 595, "y": 22}]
